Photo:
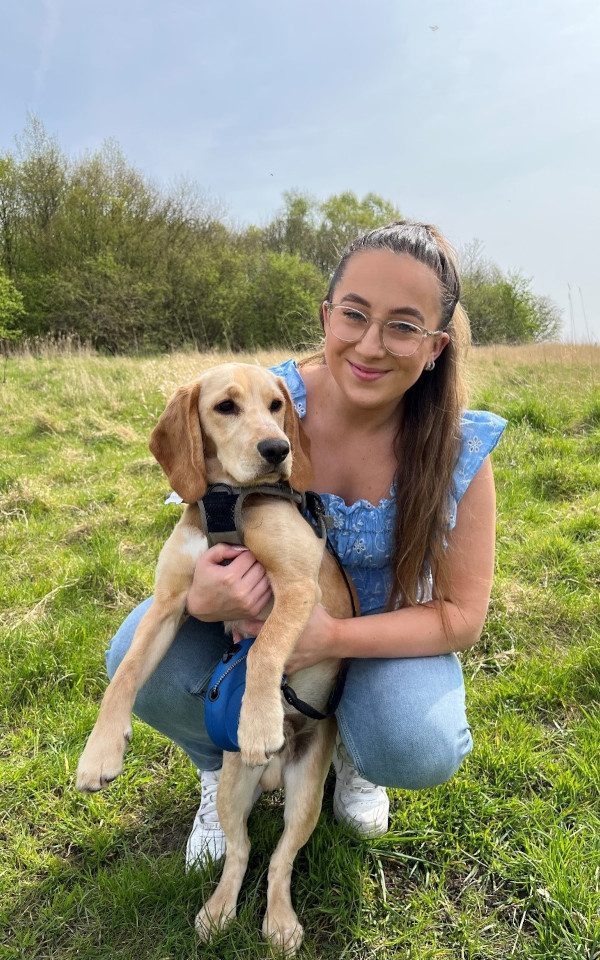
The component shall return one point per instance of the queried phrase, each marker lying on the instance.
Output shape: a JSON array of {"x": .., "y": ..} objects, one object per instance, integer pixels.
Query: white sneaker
[
  {"x": 207, "y": 841},
  {"x": 361, "y": 805}
]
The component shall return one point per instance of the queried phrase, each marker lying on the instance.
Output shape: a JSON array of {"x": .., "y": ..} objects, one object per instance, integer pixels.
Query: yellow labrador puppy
[{"x": 237, "y": 425}]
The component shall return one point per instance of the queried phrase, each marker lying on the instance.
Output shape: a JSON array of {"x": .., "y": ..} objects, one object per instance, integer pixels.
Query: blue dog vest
[{"x": 223, "y": 701}]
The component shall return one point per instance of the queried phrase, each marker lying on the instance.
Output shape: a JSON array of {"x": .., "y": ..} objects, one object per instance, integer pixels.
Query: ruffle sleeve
[
  {"x": 481, "y": 431},
  {"x": 288, "y": 370}
]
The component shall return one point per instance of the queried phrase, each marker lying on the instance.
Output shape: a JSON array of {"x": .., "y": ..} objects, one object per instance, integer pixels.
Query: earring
[{"x": 430, "y": 365}]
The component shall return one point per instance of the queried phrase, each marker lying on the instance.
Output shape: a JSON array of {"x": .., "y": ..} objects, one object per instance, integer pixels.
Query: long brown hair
[{"x": 428, "y": 440}]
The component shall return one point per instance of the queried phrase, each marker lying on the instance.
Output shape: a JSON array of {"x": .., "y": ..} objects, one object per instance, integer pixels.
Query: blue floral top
[{"x": 363, "y": 533}]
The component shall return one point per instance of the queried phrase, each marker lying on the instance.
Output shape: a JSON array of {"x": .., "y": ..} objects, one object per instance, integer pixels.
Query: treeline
[{"x": 90, "y": 248}]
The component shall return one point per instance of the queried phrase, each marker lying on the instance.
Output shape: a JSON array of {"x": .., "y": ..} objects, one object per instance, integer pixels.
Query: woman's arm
[{"x": 417, "y": 631}]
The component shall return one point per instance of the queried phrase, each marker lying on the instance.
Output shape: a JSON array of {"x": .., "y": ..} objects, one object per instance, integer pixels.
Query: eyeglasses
[{"x": 399, "y": 337}]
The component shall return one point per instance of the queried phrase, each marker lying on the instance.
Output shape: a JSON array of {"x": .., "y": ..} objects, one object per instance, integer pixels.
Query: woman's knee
[
  {"x": 187, "y": 664},
  {"x": 403, "y": 721},
  {"x": 414, "y": 758}
]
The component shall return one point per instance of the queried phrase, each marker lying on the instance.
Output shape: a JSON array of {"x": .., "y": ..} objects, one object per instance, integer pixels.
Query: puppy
[{"x": 236, "y": 424}]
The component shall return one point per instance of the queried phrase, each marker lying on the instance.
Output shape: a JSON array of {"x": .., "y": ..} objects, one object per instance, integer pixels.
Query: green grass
[{"x": 503, "y": 861}]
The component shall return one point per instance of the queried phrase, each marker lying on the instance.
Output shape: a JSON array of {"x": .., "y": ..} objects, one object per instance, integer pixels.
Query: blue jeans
[{"x": 402, "y": 721}]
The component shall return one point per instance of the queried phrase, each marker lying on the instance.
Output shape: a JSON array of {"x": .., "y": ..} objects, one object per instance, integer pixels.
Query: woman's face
[{"x": 384, "y": 286}]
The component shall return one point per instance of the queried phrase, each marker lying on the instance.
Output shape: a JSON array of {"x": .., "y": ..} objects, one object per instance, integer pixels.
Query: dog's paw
[
  {"x": 213, "y": 917},
  {"x": 101, "y": 761},
  {"x": 284, "y": 931},
  {"x": 260, "y": 733}
]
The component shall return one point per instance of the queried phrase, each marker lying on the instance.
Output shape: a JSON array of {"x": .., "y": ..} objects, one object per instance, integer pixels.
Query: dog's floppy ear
[
  {"x": 176, "y": 442},
  {"x": 301, "y": 476}
]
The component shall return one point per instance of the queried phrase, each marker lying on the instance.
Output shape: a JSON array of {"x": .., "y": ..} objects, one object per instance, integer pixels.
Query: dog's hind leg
[
  {"x": 235, "y": 796},
  {"x": 304, "y": 778}
]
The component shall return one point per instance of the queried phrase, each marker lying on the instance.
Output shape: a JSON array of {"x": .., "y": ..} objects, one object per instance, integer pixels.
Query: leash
[{"x": 332, "y": 704}]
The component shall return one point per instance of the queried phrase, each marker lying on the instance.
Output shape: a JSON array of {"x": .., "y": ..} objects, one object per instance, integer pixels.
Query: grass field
[{"x": 503, "y": 861}]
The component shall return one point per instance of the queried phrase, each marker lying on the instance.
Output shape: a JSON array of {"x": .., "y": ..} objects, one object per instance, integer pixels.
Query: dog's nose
[{"x": 273, "y": 451}]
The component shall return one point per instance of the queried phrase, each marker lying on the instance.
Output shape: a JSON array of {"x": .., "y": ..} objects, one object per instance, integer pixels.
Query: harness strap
[{"x": 317, "y": 515}]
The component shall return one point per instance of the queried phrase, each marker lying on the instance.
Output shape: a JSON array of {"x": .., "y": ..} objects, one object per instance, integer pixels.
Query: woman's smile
[{"x": 366, "y": 373}]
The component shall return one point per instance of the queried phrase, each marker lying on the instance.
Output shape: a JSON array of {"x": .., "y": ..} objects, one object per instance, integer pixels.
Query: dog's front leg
[
  {"x": 102, "y": 758},
  {"x": 260, "y": 731},
  {"x": 234, "y": 802}
]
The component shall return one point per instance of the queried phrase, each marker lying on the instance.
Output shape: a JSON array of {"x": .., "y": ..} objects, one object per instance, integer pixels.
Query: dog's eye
[
  {"x": 276, "y": 405},
  {"x": 226, "y": 406}
]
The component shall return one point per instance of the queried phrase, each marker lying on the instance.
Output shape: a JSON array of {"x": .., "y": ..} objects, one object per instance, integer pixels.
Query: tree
[
  {"x": 319, "y": 232},
  {"x": 10, "y": 213},
  {"x": 92, "y": 248},
  {"x": 279, "y": 304},
  {"x": 294, "y": 230},
  {"x": 343, "y": 218},
  {"x": 11, "y": 311},
  {"x": 42, "y": 178},
  {"x": 501, "y": 307}
]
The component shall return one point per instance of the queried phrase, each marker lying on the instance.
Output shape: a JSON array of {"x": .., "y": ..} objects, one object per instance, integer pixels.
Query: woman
[{"x": 406, "y": 478}]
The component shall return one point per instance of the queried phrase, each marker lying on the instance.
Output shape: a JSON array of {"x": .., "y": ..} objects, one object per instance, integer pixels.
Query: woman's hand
[
  {"x": 314, "y": 643},
  {"x": 240, "y": 589}
]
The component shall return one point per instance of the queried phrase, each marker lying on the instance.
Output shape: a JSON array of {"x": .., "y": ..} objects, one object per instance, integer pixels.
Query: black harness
[
  {"x": 221, "y": 512},
  {"x": 221, "y": 509}
]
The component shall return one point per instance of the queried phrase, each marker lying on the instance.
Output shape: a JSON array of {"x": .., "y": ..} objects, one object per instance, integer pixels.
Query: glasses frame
[{"x": 328, "y": 305}]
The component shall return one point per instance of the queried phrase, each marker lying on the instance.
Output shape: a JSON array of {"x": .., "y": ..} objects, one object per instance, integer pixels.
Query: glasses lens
[
  {"x": 402, "y": 338},
  {"x": 347, "y": 323}
]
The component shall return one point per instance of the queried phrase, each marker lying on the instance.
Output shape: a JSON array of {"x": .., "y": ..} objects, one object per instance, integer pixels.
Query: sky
[{"x": 483, "y": 118}]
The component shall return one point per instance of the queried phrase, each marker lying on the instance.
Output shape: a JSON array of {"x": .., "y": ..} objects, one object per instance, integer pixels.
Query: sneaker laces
[
  {"x": 360, "y": 786},
  {"x": 207, "y": 811},
  {"x": 346, "y": 773}
]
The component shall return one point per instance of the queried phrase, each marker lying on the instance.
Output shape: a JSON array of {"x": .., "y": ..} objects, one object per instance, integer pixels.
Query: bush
[
  {"x": 280, "y": 303},
  {"x": 101, "y": 301}
]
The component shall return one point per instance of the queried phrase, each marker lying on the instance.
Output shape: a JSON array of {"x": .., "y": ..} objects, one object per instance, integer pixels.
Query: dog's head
[{"x": 236, "y": 424}]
